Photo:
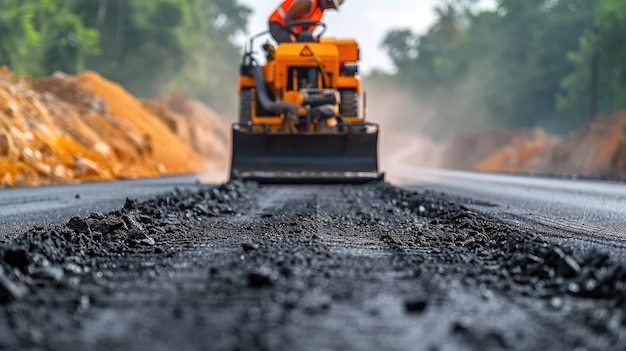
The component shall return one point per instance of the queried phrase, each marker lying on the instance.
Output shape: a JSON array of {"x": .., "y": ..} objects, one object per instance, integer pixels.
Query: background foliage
[
  {"x": 149, "y": 46},
  {"x": 40, "y": 36},
  {"x": 547, "y": 63}
]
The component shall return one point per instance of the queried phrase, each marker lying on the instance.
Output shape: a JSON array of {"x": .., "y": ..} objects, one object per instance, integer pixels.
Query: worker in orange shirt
[{"x": 291, "y": 10}]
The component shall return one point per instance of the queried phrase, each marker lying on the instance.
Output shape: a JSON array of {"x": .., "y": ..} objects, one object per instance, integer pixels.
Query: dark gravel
[{"x": 248, "y": 267}]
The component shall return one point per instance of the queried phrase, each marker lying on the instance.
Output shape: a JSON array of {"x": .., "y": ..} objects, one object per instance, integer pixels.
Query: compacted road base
[{"x": 248, "y": 267}]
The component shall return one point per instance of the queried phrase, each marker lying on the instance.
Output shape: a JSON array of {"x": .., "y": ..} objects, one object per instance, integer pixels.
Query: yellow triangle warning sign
[{"x": 306, "y": 52}]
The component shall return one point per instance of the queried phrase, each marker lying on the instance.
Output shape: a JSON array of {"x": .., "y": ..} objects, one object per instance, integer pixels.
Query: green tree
[
  {"x": 159, "y": 45},
  {"x": 41, "y": 36},
  {"x": 501, "y": 67},
  {"x": 149, "y": 46},
  {"x": 211, "y": 69},
  {"x": 598, "y": 82}
]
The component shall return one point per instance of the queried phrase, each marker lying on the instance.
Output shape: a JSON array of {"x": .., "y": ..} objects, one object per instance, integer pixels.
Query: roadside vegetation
[
  {"x": 553, "y": 64},
  {"x": 150, "y": 47}
]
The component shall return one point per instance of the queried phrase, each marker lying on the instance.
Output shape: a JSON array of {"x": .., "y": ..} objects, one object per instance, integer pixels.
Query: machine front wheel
[
  {"x": 246, "y": 97},
  {"x": 349, "y": 106}
]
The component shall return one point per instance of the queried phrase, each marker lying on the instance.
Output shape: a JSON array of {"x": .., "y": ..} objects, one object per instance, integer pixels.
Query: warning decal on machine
[{"x": 306, "y": 52}]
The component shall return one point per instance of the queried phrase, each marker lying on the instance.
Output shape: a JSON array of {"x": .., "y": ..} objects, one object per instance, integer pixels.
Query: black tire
[
  {"x": 349, "y": 106},
  {"x": 246, "y": 97}
]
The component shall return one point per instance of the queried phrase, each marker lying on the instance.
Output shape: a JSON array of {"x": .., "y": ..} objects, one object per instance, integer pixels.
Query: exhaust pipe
[{"x": 266, "y": 102}]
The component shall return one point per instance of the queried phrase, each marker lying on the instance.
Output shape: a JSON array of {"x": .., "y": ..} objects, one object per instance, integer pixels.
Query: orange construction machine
[{"x": 302, "y": 113}]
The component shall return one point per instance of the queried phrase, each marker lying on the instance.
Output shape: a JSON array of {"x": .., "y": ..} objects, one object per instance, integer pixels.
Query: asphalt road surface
[
  {"x": 462, "y": 261},
  {"x": 24, "y": 208},
  {"x": 591, "y": 207}
]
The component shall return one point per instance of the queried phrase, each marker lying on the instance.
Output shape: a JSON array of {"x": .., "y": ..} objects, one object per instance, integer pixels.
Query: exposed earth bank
[
  {"x": 596, "y": 150},
  {"x": 242, "y": 266},
  {"x": 68, "y": 129}
]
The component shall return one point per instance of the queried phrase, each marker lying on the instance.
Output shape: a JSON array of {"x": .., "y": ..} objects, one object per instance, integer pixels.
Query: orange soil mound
[
  {"x": 196, "y": 124},
  {"x": 522, "y": 149},
  {"x": 60, "y": 129},
  {"x": 468, "y": 148},
  {"x": 598, "y": 149},
  {"x": 169, "y": 153}
]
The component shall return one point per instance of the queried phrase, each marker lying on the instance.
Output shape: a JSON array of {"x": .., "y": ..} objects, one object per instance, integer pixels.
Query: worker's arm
[{"x": 298, "y": 10}]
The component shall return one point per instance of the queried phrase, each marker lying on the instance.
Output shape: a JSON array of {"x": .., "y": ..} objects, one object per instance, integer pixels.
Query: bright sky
[{"x": 365, "y": 20}]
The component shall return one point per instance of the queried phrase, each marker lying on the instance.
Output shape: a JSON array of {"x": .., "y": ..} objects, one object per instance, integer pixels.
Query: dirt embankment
[
  {"x": 481, "y": 149},
  {"x": 195, "y": 123},
  {"x": 63, "y": 129},
  {"x": 596, "y": 150}
]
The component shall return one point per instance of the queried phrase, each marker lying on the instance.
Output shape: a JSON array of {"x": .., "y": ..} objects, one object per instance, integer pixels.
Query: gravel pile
[
  {"x": 58, "y": 252},
  {"x": 243, "y": 267}
]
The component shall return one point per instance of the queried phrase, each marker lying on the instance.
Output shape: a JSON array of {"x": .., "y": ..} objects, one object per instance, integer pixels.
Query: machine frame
[{"x": 302, "y": 113}]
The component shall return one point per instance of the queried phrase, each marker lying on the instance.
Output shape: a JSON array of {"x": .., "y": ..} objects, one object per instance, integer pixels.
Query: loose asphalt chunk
[
  {"x": 250, "y": 267},
  {"x": 9, "y": 290}
]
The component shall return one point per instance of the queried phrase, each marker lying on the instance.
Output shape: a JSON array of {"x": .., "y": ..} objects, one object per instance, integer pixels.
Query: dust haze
[{"x": 401, "y": 117}]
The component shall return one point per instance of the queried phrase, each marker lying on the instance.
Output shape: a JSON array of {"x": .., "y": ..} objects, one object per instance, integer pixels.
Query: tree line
[
  {"x": 149, "y": 46},
  {"x": 525, "y": 63}
]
